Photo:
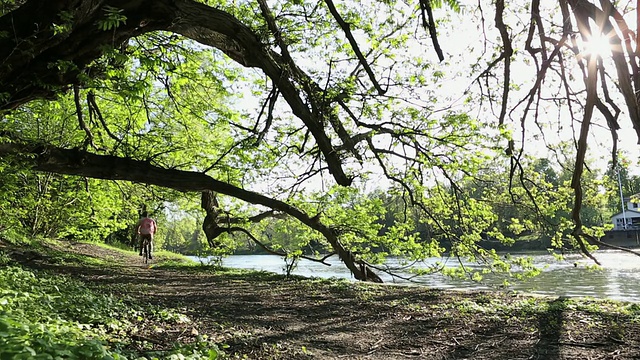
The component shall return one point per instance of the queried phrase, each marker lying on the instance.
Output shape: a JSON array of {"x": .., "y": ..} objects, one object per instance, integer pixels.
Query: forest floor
[{"x": 254, "y": 315}]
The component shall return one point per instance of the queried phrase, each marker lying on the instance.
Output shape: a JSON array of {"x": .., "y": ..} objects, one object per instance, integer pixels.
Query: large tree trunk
[
  {"x": 36, "y": 62},
  {"x": 212, "y": 230}
]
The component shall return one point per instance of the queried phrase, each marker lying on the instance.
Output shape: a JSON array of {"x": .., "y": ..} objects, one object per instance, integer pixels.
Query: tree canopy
[{"x": 289, "y": 113}]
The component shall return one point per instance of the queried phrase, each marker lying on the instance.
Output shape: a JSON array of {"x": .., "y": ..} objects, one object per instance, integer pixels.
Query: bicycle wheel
[
  {"x": 145, "y": 250},
  {"x": 148, "y": 249}
]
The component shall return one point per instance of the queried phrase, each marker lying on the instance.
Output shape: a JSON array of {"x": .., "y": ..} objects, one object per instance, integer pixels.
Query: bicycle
[{"x": 146, "y": 249}]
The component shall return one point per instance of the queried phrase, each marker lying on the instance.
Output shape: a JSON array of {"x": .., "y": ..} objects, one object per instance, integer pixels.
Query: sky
[
  {"x": 463, "y": 40},
  {"x": 464, "y": 43}
]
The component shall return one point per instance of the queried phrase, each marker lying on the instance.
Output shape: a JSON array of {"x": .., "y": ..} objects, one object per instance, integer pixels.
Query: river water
[{"x": 618, "y": 278}]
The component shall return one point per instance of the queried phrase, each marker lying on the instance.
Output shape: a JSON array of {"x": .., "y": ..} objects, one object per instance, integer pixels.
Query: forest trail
[{"x": 263, "y": 316}]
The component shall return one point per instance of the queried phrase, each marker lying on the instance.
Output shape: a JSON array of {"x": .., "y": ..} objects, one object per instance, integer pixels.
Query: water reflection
[{"x": 619, "y": 277}]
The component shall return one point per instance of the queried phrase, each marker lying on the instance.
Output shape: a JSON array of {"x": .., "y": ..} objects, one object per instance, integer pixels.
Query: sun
[{"x": 597, "y": 44}]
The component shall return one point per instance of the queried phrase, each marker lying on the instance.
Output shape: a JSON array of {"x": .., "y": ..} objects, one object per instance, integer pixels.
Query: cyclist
[{"x": 145, "y": 229}]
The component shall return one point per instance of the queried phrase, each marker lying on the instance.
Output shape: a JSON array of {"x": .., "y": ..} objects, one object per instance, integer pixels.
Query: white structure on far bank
[{"x": 629, "y": 218}]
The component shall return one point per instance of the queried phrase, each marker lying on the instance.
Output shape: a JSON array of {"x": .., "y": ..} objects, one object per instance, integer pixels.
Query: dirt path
[{"x": 265, "y": 317}]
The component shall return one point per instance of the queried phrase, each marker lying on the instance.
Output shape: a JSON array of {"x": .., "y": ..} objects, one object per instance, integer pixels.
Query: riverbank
[{"x": 258, "y": 315}]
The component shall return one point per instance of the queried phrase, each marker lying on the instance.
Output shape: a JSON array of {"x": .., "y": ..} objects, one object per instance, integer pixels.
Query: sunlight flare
[{"x": 598, "y": 44}]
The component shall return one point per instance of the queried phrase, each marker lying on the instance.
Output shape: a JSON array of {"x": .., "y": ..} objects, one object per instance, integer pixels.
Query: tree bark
[{"x": 212, "y": 230}]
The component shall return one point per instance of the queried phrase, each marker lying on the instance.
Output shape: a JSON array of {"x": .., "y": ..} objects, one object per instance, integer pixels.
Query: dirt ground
[{"x": 264, "y": 316}]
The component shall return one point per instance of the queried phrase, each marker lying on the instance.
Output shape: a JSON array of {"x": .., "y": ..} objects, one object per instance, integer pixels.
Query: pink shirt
[{"x": 147, "y": 226}]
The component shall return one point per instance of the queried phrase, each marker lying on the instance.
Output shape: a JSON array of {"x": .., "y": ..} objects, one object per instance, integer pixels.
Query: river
[{"x": 618, "y": 278}]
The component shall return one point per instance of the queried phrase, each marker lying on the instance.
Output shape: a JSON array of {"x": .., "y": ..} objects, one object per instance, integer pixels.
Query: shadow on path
[{"x": 550, "y": 329}]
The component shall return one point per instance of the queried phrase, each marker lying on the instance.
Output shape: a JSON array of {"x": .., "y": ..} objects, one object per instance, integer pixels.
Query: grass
[
  {"x": 528, "y": 306},
  {"x": 44, "y": 316},
  {"x": 49, "y": 316},
  {"x": 164, "y": 257}
]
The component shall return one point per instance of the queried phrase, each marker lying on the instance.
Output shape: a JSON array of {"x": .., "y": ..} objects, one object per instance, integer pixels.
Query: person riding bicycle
[{"x": 145, "y": 229}]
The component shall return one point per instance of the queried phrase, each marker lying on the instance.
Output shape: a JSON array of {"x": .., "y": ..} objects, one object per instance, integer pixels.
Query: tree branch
[
  {"x": 81, "y": 122},
  {"x": 346, "y": 28},
  {"x": 24, "y": 79},
  {"x": 83, "y": 163},
  {"x": 274, "y": 252},
  {"x": 429, "y": 23}
]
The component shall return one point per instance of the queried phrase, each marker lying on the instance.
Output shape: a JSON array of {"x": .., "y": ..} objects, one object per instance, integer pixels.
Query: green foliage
[
  {"x": 452, "y": 4},
  {"x": 184, "y": 235},
  {"x": 44, "y": 317},
  {"x": 447, "y": 186},
  {"x": 112, "y": 19},
  {"x": 45, "y": 205},
  {"x": 4, "y": 258},
  {"x": 66, "y": 24}
]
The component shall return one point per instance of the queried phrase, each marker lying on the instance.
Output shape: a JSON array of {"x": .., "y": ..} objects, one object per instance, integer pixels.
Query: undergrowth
[{"x": 54, "y": 317}]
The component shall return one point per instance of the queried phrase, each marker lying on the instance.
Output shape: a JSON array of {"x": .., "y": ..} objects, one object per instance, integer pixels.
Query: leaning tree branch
[
  {"x": 80, "y": 162},
  {"x": 591, "y": 84},
  {"x": 592, "y": 239},
  {"x": 274, "y": 252},
  {"x": 271, "y": 23},
  {"x": 583, "y": 11},
  {"x": 81, "y": 122},
  {"x": 628, "y": 36},
  {"x": 219, "y": 29},
  {"x": 536, "y": 24},
  {"x": 94, "y": 109},
  {"x": 271, "y": 101}
]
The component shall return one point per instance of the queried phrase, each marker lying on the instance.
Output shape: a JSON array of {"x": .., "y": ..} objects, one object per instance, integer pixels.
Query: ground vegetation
[{"x": 80, "y": 300}]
